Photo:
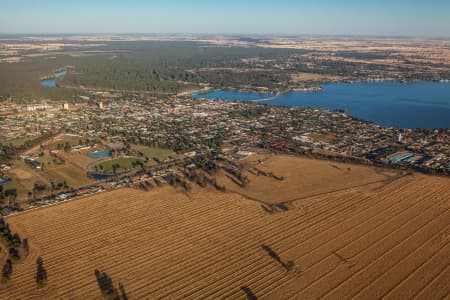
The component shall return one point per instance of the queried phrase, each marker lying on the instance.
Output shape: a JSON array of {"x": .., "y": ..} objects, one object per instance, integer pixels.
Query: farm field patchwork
[{"x": 386, "y": 239}]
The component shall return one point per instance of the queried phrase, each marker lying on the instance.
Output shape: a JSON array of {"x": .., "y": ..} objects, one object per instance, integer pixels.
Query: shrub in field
[{"x": 290, "y": 265}]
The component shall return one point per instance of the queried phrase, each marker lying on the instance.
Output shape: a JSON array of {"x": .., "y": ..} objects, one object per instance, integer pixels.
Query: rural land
[{"x": 117, "y": 183}]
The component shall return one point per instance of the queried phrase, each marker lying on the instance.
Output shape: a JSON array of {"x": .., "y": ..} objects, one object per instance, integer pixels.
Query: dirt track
[{"x": 368, "y": 242}]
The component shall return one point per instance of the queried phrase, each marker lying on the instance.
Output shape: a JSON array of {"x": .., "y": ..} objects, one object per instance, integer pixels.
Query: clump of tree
[
  {"x": 158, "y": 182},
  {"x": 41, "y": 272},
  {"x": 13, "y": 241},
  {"x": 106, "y": 285},
  {"x": 207, "y": 163},
  {"x": 14, "y": 254},
  {"x": 258, "y": 172},
  {"x": 236, "y": 175},
  {"x": 39, "y": 188},
  {"x": 10, "y": 195},
  {"x": 7, "y": 271},
  {"x": 137, "y": 163},
  {"x": 175, "y": 180},
  {"x": 202, "y": 180}
]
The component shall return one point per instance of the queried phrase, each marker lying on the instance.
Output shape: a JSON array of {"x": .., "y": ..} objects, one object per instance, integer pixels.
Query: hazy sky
[{"x": 344, "y": 17}]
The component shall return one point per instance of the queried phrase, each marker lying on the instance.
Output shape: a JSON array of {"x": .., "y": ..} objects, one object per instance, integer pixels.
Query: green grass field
[
  {"x": 152, "y": 152},
  {"x": 125, "y": 163}
]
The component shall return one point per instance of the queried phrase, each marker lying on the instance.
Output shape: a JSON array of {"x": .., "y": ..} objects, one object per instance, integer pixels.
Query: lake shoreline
[
  {"x": 402, "y": 105},
  {"x": 52, "y": 81},
  {"x": 318, "y": 87}
]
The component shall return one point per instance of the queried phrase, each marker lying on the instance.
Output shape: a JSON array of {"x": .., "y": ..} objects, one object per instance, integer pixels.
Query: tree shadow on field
[
  {"x": 41, "y": 272},
  {"x": 122, "y": 291},
  {"x": 106, "y": 285},
  {"x": 287, "y": 266},
  {"x": 249, "y": 293}
]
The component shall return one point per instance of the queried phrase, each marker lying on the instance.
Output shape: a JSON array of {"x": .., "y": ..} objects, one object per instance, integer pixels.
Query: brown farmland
[
  {"x": 386, "y": 239},
  {"x": 302, "y": 177}
]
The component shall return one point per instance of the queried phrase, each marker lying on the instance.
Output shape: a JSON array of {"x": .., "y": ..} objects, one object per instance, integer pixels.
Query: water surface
[
  {"x": 411, "y": 105},
  {"x": 51, "y": 82},
  {"x": 100, "y": 154}
]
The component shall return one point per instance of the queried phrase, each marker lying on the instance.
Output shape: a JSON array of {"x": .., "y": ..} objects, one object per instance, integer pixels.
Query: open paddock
[
  {"x": 379, "y": 240},
  {"x": 302, "y": 177},
  {"x": 24, "y": 177},
  {"x": 78, "y": 158}
]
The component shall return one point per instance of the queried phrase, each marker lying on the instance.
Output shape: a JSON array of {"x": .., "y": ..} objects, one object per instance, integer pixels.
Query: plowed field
[{"x": 387, "y": 239}]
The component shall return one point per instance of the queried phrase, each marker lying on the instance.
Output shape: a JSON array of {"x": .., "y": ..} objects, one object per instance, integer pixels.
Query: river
[{"x": 51, "y": 82}]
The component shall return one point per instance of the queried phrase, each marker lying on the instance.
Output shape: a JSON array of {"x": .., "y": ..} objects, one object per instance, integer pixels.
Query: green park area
[
  {"x": 153, "y": 152},
  {"x": 123, "y": 163}
]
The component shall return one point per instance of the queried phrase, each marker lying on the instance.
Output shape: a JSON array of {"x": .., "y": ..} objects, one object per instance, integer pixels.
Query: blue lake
[
  {"x": 100, "y": 154},
  {"x": 51, "y": 82},
  {"x": 411, "y": 105},
  {"x": 99, "y": 176}
]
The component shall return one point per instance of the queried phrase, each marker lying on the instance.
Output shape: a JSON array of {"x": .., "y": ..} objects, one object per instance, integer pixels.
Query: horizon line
[{"x": 226, "y": 34}]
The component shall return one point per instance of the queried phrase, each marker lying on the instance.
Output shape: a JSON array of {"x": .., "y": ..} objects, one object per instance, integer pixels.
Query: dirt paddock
[{"x": 378, "y": 240}]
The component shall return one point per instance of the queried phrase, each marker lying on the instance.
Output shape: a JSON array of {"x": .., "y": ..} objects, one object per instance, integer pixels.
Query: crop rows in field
[{"x": 367, "y": 242}]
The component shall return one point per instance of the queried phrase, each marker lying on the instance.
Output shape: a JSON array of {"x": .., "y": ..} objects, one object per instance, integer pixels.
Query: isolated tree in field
[
  {"x": 7, "y": 270},
  {"x": 41, "y": 273}
]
